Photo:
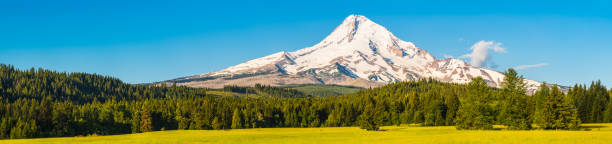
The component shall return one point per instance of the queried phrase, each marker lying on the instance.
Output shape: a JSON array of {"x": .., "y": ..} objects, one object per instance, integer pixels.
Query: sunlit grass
[{"x": 598, "y": 133}]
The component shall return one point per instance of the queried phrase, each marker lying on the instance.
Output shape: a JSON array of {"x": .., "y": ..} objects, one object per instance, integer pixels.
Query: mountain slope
[{"x": 358, "y": 52}]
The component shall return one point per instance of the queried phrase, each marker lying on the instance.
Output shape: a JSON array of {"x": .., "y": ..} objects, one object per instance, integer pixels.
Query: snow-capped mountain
[{"x": 359, "y": 52}]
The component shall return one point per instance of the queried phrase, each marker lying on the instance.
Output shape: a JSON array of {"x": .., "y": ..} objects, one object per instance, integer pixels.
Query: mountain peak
[
  {"x": 357, "y": 27},
  {"x": 354, "y": 17},
  {"x": 358, "y": 52}
]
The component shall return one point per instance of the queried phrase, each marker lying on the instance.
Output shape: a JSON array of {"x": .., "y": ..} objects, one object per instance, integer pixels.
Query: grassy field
[{"x": 599, "y": 133}]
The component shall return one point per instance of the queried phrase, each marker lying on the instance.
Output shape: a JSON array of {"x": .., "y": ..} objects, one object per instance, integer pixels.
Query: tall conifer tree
[
  {"x": 475, "y": 111},
  {"x": 514, "y": 113}
]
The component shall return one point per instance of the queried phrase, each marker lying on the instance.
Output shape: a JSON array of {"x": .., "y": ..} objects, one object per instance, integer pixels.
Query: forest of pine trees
[{"x": 43, "y": 103}]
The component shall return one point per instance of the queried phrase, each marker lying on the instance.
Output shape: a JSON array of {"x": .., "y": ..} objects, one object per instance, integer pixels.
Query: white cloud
[
  {"x": 521, "y": 67},
  {"x": 480, "y": 52}
]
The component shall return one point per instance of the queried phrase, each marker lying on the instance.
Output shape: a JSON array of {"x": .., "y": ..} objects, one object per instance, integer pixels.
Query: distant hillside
[
  {"x": 325, "y": 90},
  {"x": 80, "y": 87}
]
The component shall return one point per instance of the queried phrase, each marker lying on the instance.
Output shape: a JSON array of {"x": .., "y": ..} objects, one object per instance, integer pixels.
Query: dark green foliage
[
  {"x": 475, "y": 113},
  {"x": 600, "y": 100},
  {"x": 412, "y": 112},
  {"x": 24, "y": 129},
  {"x": 515, "y": 106},
  {"x": 591, "y": 103},
  {"x": 435, "y": 113},
  {"x": 556, "y": 112},
  {"x": 42, "y": 103},
  {"x": 236, "y": 120},
  {"x": 608, "y": 112},
  {"x": 217, "y": 124},
  {"x": 146, "y": 124},
  {"x": 140, "y": 108},
  {"x": 371, "y": 118},
  {"x": 135, "y": 122},
  {"x": 80, "y": 87}
]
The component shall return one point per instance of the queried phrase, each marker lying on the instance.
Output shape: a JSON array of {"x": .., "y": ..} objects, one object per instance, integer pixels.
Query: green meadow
[{"x": 593, "y": 134}]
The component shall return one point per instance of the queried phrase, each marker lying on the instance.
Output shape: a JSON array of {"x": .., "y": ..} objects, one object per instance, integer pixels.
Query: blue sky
[{"x": 148, "y": 41}]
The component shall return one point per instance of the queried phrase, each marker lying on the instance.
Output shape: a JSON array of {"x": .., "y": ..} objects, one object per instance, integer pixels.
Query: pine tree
[
  {"x": 580, "y": 99},
  {"x": 435, "y": 111},
  {"x": 452, "y": 103},
  {"x": 370, "y": 119},
  {"x": 608, "y": 113},
  {"x": 600, "y": 99},
  {"x": 236, "y": 120},
  {"x": 568, "y": 114},
  {"x": 539, "y": 98},
  {"x": 515, "y": 113},
  {"x": 136, "y": 122},
  {"x": 475, "y": 112},
  {"x": 183, "y": 122},
  {"x": 146, "y": 123},
  {"x": 5, "y": 126},
  {"x": 557, "y": 112},
  {"x": 545, "y": 115},
  {"x": 413, "y": 112},
  {"x": 216, "y": 124},
  {"x": 333, "y": 120}
]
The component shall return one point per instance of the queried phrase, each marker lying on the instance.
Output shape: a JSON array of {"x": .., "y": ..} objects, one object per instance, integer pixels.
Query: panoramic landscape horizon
[{"x": 305, "y": 72}]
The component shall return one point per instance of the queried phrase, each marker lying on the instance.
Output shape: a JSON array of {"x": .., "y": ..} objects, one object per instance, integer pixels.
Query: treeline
[
  {"x": 266, "y": 91},
  {"x": 80, "y": 87},
  {"x": 28, "y": 117},
  {"x": 593, "y": 103},
  {"x": 50, "y": 111}
]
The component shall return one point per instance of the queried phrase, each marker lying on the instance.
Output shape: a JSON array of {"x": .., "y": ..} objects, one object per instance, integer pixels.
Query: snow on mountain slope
[{"x": 358, "y": 52}]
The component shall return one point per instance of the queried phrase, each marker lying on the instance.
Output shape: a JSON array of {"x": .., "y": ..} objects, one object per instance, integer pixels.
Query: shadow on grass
[
  {"x": 593, "y": 127},
  {"x": 498, "y": 129}
]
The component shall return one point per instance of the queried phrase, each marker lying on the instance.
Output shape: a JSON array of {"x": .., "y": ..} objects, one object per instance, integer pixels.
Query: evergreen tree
[
  {"x": 216, "y": 124},
  {"x": 608, "y": 114},
  {"x": 581, "y": 101},
  {"x": 568, "y": 115},
  {"x": 557, "y": 112},
  {"x": 24, "y": 129},
  {"x": 42, "y": 103},
  {"x": 370, "y": 119},
  {"x": 5, "y": 127},
  {"x": 334, "y": 118},
  {"x": 146, "y": 123},
  {"x": 475, "y": 112},
  {"x": 136, "y": 122},
  {"x": 413, "y": 109},
  {"x": 435, "y": 113},
  {"x": 183, "y": 122},
  {"x": 539, "y": 98},
  {"x": 545, "y": 114},
  {"x": 236, "y": 120},
  {"x": 515, "y": 113},
  {"x": 452, "y": 104},
  {"x": 600, "y": 101}
]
